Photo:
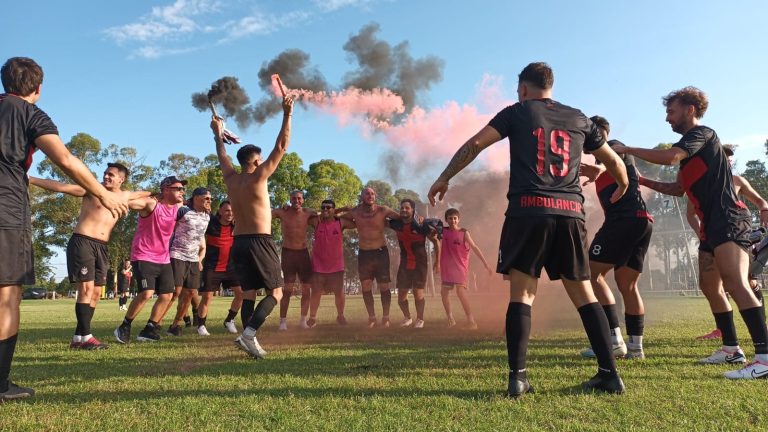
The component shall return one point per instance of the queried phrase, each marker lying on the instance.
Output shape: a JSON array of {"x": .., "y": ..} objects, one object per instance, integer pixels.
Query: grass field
[{"x": 351, "y": 378}]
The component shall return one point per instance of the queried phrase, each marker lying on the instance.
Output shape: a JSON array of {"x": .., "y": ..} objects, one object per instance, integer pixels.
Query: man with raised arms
[
  {"x": 87, "y": 260},
  {"x": 253, "y": 250}
]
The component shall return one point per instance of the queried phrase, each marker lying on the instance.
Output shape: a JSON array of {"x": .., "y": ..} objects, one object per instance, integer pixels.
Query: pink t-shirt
[
  {"x": 152, "y": 239},
  {"x": 328, "y": 249},
  {"x": 454, "y": 257}
]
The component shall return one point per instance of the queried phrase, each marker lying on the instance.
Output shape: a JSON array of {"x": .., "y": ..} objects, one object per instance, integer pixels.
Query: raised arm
[
  {"x": 73, "y": 167},
  {"x": 281, "y": 143},
  {"x": 477, "y": 251},
  {"x": 225, "y": 163},
  {"x": 55, "y": 186},
  {"x": 466, "y": 154},
  {"x": 615, "y": 167}
]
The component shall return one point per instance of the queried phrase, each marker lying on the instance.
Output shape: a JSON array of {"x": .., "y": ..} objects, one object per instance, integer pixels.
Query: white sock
[
  {"x": 249, "y": 332},
  {"x": 730, "y": 349},
  {"x": 616, "y": 338},
  {"x": 635, "y": 342},
  {"x": 282, "y": 320},
  {"x": 762, "y": 358},
  {"x": 86, "y": 338},
  {"x": 77, "y": 338}
]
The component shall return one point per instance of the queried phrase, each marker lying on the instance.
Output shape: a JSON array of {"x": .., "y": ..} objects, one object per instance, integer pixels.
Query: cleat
[
  {"x": 202, "y": 331},
  {"x": 311, "y": 323},
  {"x": 406, "y": 322},
  {"x": 123, "y": 334},
  {"x": 16, "y": 392},
  {"x": 93, "y": 344},
  {"x": 230, "y": 326},
  {"x": 518, "y": 387},
  {"x": 419, "y": 324},
  {"x": 613, "y": 384},
  {"x": 76, "y": 345},
  {"x": 754, "y": 370},
  {"x": 714, "y": 334},
  {"x": 371, "y": 322},
  {"x": 174, "y": 330},
  {"x": 250, "y": 346},
  {"x": 340, "y": 320},
  {"x": 721, "y": 356},
  {"x": 303, "y": 324},
  {"x": 283, "y": 326},
  {"x": 148, "y": 335},
  {"x": 635, "y": 354},
  {"x": 619, "y": 351},
  {"x": 385, "y": 322},
  {"x": 451, "y": 322}
]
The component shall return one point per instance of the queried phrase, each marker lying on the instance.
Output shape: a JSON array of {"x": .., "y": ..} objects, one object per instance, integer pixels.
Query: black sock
[
  {"x": 201, "y": 321},
  {"x": 368, "y": 300},
  {"x": 262, "y": 311},
  {"x": 724, "y": 321},
  {"x": 420, "y": 308},
  {"x": 7, "y": 347},
  {"x": 613, "y": 316},
  {"x": 187, "y": 320},
  {"x": 121, "y": 301},
  {"x": 231, "y": 315},
  {"x": 87, "y": 318},
  {"x": 635, "y": 324},
  {"x": 246, "y": 311},
  {"x": 596, "y": 325},
  {"x": 150, "y": 325},
  {"x": 386, "y": 301},
  {"x": 127, "y": 321},
  {"x": 754, "y": 318},
  {"x": 404, "y": 307},
  {"x": 518, "y": 329},
  {"x": 80, "y": 309}
]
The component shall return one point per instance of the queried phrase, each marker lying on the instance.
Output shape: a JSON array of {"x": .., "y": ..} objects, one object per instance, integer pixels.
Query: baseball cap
[
  {"x": 171, "y": 180},
  {"x": 200, "y": 191}
]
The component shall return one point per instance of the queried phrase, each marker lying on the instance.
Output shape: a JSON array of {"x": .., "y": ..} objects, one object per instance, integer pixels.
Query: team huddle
[{"x": 183, "y": 254}]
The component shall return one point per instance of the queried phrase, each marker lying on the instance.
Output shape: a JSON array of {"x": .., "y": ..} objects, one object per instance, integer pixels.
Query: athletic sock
[
  {"x": 7, "y": 347},
  {"x": 754, "y": 318},
  {"x": 420, "y": 308},
  {"x": 246, "y": 311},
  {"x": 87, "y": 322},
  {"x": 405, "y": 308},
  {"x": 80, "y": 312},
  {"x": 368, "y": 300},
  {"x": 596, "y": 325},
  {"x": 612, "y": 314},
  {"x": 262, "y": 311},
  {"x": 725, "y": 324},
  {"x": 518, "y": 330},
  {"x": 127, "y": 321},
  {"x": 386, "y": 301},
  {"x": 635, "y": 327},
  {"x": 231, "y": 315},
  {"x": 201, "y": 321},
  {"x": 187, "y": 320}
]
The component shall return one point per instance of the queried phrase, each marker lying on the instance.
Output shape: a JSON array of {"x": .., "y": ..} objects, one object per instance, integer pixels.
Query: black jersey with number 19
[{"x": 546, "y": 139}]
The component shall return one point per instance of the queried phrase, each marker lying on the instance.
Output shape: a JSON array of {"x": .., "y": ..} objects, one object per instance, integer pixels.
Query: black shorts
[
  {"x": 296, "y": 262},
  {"x": 256, "y": 261},
  {"x": 214, "y": 280},
  {"x": 724, "y": 230},
  {"x": 153, "y": 276},
  {"x": 555, "y": 243},
  {"x": 328, "y": 282},
  {"x": 374, "y": 264},
  {"x": 17, "y": 260},
  {"x": 87, "y": 260},
  {"x": 622, "y": 242},
  {"x": 186, "y": 274},
  {"x": 411, "y": 279}
]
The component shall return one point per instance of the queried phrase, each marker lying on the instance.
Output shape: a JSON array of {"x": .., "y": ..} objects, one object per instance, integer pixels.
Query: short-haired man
[
  {"x": 253, "y": 249},
  {"x": 371, "y": 219},
  {"x": 26, "y": 128},
  {"x": 87, "y": 261},
  {"x": 294, "y": 255},
  {"x": 706, "y": 178},
  {"x": 544, "y": 224},
  {"x": 152, "y": 260}
]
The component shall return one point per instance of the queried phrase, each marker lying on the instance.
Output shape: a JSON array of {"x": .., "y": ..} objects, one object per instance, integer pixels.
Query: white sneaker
[
  {"x": 419, "y": 324},
  {"x": 303, "y": 324},
  {"x": 230, "y": 326},
  {"x": 754, "y": 370},
  {"x": 619, "y": 350},
  {"x": 722, "y": 356},
  {"x": 251, "y": 346},
  {"x": 406, "y": 322},
  {"x": 202, "y": 331},
  {"x": 283, "y": 326}
]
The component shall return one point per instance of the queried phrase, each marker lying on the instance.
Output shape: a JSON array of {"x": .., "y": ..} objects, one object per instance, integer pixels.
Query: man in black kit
[
  {"x": 544, "y": 224},
  {"x": 725, "y": 222}
]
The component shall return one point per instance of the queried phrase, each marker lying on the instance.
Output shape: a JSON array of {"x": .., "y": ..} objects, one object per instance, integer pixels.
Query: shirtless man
[
  {"x": 87, "y": 261},
  {"x": 294, "y": 257},
  {"x": 370, "y": 219},
  {"x": 253, "y": 250}
]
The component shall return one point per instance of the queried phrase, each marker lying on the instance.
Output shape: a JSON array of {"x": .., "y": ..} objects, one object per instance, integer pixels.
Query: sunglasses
[
  {"x": 176, "y": 188},
  {"x": 205, "y": 198},
  {"x": 326, "y": 207}
]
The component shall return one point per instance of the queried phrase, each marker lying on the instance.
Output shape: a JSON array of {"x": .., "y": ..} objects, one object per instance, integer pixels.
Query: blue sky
[{"x": 124, "y": 71}]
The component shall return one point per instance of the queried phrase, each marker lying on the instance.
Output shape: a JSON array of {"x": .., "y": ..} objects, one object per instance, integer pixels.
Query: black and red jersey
[
  {"x": 218, "y": 243},
  {"x": 412, "y": 239},
  {"x": 546, "y": 139},
  {"x": 632, "y": 203},
  {"x": 21, "y": 123},
  {"x": 707, "y": 179}
]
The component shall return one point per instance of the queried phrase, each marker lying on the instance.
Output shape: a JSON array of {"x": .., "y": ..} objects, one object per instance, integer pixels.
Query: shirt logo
[{"x": 84, "y": 271}]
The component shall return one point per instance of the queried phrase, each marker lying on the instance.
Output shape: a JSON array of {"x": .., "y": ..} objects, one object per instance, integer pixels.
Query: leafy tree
[
  {"x": 757, "y": 175},
  {"x": 384, "y": 194},
  {"x": 334, "y": 180},
  {"x": 290, "y": 175}
]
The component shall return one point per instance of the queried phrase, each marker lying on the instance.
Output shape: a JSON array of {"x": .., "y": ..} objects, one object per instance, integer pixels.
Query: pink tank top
[
  {"x": 152, "y": 240},
  {"x": 328, "y": 249},
  {"x": 454, "y": 257}
]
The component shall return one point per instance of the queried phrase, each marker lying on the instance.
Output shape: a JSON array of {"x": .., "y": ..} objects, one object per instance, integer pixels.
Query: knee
[{"x": 278, "y": 294}]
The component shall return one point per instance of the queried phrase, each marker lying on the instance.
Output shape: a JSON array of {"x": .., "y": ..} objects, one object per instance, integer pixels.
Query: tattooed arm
[{"x": 466, "y": 154}]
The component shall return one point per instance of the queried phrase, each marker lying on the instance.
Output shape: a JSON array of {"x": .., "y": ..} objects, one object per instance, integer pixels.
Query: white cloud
[
  {"x": 164, "y": 22},
  {"x": 332, "y": 5}
]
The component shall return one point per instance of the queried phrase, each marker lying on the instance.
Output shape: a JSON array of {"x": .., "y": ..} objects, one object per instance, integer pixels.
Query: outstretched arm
[
  {"x": 752, "y": 196},
  {"x": 477, "y": 251},
  {"x": 281, "y": 143},
  {"x": 670, "y": 156},
  {"x": 225, "y": 163},
  {"x": 55, "y": 186},
  {"x": 139, "y": 195},
  {"x": 675, "y": 189}
]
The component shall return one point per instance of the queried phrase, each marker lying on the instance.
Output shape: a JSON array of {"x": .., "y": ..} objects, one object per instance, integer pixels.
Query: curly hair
[
  {"x": 538, "y": 74},
  {"x": 689, "y": 96}
]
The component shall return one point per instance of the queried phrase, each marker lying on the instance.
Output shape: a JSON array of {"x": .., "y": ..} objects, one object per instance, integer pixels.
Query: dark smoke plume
[{"x": 225, "y": 92}]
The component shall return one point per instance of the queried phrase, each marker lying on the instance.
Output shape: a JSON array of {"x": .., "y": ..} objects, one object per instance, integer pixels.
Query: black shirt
[
  {"x": 546, "y": 139},
  {"x": 21, "y": 123},
  {"x": 629, "y": 205},
  {"x": 412, "y": 240}
]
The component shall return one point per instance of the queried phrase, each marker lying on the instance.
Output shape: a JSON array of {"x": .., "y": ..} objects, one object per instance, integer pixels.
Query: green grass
[{"x": 339, "y": 379}]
